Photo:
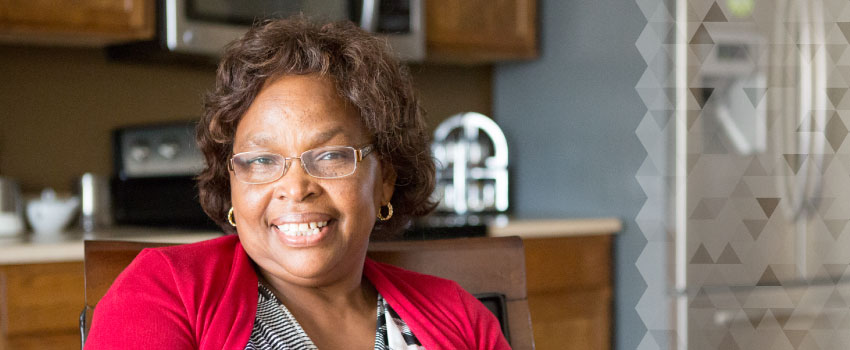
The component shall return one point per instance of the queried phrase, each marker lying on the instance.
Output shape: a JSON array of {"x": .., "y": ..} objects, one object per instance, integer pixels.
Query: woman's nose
[{"x": 296, "y": 184}]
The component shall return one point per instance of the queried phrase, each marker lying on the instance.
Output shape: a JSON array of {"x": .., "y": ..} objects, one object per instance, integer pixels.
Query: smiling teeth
[{"x": 302, "y": 229}]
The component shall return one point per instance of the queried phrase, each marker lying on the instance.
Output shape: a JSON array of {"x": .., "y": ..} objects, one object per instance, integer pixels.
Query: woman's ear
[{"x": 388, "y": 183}]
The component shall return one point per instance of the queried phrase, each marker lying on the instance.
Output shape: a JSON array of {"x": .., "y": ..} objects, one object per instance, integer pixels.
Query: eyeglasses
[{"x": 324, "y": 162}]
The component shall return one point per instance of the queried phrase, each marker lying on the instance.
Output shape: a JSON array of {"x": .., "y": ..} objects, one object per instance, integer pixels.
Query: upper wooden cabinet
[
  {"x": 477, "y": 31},
  {"x": 457, "y": 31},
  {"x": 76, "y": 22}
]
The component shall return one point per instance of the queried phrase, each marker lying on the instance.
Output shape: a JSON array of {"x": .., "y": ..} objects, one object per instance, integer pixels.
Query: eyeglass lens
[{"x": 325, "y": 162}]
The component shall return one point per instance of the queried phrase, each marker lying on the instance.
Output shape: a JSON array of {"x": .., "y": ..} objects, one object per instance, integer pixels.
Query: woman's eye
[
  {"x": 261, "y": 161},
  {"x": 332, "y": 156}
]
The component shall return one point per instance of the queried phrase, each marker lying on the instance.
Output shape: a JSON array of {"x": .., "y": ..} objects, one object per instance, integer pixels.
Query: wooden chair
[{"x": 493, "y": 269}]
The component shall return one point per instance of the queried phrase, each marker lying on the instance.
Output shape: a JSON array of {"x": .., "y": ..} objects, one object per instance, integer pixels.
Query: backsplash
[{"x": 58, "y": 106}]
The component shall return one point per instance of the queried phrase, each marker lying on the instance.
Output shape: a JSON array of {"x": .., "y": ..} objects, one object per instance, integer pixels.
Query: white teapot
[{"x": 50, "y": 214}]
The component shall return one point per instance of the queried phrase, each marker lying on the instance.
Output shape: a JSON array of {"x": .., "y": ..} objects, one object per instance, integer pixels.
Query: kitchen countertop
[{"x": 68, "y": 246}]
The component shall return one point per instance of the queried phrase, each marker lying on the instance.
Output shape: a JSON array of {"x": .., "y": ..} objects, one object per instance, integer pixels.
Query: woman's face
[{"x": 290, "y": 115}]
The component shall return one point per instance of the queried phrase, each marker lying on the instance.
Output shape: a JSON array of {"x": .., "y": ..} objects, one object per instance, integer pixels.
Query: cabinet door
[
  {"x": 40, "y": 305},
  {"x": 79, "y": 21},
  {"x": 570, "y": 292},
  {"x": 481, "y": 30}
]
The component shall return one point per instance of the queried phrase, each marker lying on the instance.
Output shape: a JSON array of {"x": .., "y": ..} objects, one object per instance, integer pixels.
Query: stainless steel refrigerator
[{"x": 762, "y": 185}]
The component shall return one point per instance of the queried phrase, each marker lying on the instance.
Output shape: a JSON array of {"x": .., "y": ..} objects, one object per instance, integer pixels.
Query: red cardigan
[{"x": 204, "y": 296}]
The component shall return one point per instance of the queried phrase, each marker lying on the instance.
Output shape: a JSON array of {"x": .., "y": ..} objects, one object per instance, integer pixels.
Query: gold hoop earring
[
  {"x": 389, "y": 212},
  {"x": 230, "y": 217}
]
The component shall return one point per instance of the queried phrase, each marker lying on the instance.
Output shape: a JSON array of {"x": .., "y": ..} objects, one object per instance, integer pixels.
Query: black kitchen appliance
[{"x": 153, "y": 183}]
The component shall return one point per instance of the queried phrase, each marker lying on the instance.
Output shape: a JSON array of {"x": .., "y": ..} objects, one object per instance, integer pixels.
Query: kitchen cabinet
[
  {"x": 479, "y": 31},
  {"x": 79, "y": 22},
  {"x": 568, "y": 273},
  {"x": 39, "y": 304},
  {"x": 569, "y": 291},
  {"x": 569, "y": 278},
  {"x": 457, "y": 31}
]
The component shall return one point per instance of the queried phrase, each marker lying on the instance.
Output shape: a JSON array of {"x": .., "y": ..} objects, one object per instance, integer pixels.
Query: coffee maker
[{"x": 472, "y": 170}]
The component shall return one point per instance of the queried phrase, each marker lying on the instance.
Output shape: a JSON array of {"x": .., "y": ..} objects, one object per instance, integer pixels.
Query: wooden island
[{"x": 568, "y": 264}]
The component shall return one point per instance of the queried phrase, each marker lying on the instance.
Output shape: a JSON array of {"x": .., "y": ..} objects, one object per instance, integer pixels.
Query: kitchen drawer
[
  {"x": 40, "y": 304},
  {"x": 568, "y": 263}
]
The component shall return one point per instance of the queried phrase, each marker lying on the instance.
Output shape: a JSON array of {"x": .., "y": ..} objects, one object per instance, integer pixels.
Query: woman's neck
[{"x": 352, "y": 293}]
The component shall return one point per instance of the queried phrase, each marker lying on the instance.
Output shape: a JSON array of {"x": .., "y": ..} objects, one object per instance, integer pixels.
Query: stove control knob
[
  {"x": 140, "y": 151},
  {"x": 168, "y": 149}
]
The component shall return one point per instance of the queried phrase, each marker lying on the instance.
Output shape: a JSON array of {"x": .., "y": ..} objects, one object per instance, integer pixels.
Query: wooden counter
[{"x": 568, "y": 265}]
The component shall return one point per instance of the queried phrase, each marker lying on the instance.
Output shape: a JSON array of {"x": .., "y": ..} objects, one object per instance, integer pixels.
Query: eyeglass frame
[{"x": 359, "y": 154}]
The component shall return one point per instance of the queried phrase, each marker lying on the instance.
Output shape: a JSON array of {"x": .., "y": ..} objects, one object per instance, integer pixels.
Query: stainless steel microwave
[{"x": 206, "y": 26}]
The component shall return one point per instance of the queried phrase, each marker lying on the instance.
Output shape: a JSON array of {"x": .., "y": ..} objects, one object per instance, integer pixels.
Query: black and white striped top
[{"x": 276, "y": 328}]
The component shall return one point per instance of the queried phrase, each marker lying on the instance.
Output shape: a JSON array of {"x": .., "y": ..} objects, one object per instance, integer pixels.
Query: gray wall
[{"x": 570, "y": 119}]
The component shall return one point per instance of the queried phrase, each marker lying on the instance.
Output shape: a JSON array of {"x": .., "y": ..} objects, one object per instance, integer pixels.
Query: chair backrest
[{"x": 484, "y": 266}]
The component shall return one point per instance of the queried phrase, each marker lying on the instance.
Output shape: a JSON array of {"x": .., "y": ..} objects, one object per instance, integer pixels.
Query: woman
[{"x": 314, "y": 141}]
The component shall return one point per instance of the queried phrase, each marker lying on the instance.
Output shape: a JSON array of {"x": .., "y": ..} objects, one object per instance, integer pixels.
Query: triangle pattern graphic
[
  {"x": 708, "y": 208},
  {"x": 795, "y": 161},
  {"x": 769, "y": 321},
  {"x": 692, "y": 161},
  {"x": 701, "y": 257},
  {"x": 701, "y": 95},
  {"x": 663, "y": 337},
  {"x": 835, "y": 301},
  {"x": 823, "y": 203},
  {"x": 835, "y": 271},
  {"x": 742, "y": 190},
  {"x": 836, "y": 132},
  {"x": 701, "y": 36},
  {"x": 701, "y": 51},
  {"x": 768, "y": 278},
  {"x": 822, "y": 322},
  {"x": 755, "y": 169},
  {"x": 693, "y": 116},
  {"x": 661, "y": 118},
  {"x": 701, "y": 300},
  {"x": 714, "y": 145},
  {"x": 768, "y": 205},
  {"x": 835, "y": 227},
  {"x": 728, "y": 256},
  {"x": 670, "y": 38},
  {"x": 742, "y": 295},
  {"x": 755, "y": 316},
  {"x": 782, "y": 315},
  {"x": 836, "y": 51},
  {"x": 755, "y": 95},
  {"x": 835, "y": 95},
  {"x": 728, "y": 342},
  {"x": 795, "y": 336},
  {"x": 715, "y": 14},
  {"x": 845, "y": 29},
  {"x": 755, "y": 227}
]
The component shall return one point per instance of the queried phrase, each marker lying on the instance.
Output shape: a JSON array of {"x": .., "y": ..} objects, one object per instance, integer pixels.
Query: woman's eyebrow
[
  {"x": 326, "y": 135},
  {"x": 261, "y": 140}
]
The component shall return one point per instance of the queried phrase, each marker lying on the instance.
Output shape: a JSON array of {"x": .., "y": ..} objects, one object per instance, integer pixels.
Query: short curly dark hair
[{"x": 364, "y": 72}]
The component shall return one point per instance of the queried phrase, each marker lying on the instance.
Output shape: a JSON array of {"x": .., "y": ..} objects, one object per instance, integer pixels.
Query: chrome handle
[{"x": 369, "y": 15}]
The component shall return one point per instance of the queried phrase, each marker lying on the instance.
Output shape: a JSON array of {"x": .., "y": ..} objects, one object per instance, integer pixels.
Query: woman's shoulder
[
  {"x": 183, "y": 264},
  {"x": 379, "y": 272},
  {"x": 217, "y": 249},
  {"x": 417, "y": 297},
  {"x": 167, "y": 295}
]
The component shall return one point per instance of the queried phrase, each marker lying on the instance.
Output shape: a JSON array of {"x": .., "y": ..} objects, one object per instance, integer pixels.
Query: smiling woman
[{"x": 293, "y": 272}]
